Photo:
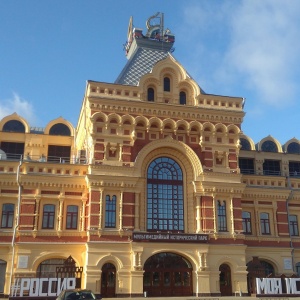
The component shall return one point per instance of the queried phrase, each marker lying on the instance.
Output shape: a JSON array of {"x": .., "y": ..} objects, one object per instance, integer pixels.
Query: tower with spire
[{"x": 144, "y": 50}]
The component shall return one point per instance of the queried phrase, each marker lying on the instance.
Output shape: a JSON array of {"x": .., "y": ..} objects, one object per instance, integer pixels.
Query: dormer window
[
  {"x": 167, "y": 84},
  {"x": 150, "y": 94},
  {"x": 182, "y": 98}
]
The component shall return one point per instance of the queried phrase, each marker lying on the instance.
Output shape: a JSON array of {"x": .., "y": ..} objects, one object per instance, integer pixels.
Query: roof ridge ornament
[{"x": 155, "y": 33}]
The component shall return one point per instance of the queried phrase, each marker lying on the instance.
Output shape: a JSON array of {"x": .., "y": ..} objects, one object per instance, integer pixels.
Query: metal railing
[
  {"x": 270, "y": 173},
  {"x": 42, "y": 158}
]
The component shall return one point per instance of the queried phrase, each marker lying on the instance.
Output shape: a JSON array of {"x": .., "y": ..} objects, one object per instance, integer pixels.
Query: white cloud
[
  {"x": 264, "y": 46},
  {"x": 17, "y": 105},
  {"x": 250, "y": 44}
]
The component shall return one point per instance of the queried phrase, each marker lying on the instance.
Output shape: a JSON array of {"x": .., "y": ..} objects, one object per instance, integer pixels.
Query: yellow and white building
[{"x": 157, "y": 190}]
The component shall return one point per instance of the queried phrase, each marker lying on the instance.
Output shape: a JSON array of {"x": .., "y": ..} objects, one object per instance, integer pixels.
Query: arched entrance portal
[
  {"x": 108, "y": 281},
  {"x": 257, "y": 268},
  {"x": 225, "y": 280},
  {"x": 168, "y": 274}
]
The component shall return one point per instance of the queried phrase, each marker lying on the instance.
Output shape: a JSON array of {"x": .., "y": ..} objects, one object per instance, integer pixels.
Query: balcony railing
[
  {"x": 269, "y": 173},
  {"x": 42, "y": 158}
]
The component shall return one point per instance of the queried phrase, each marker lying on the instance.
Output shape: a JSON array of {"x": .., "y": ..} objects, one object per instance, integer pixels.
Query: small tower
[{"x": 143, "y": 51}]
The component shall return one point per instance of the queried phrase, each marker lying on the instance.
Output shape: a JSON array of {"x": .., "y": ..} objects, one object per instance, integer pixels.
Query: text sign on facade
[
  {"x": 273, "y": 286},
  {"x": 169, "y": 237},
  {"x": 41, "y": 287}
]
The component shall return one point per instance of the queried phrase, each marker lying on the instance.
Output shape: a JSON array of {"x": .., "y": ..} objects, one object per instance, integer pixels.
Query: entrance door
[
  {"x": 2, "y": 275},
  {"x": 167, "y": 275},
  {"x": 108, "y": 281},
  {"x": 225, "y": 280}
]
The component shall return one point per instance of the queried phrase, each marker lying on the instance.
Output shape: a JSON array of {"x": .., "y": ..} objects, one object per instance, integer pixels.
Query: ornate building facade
[{"x": 157, "y": 190}]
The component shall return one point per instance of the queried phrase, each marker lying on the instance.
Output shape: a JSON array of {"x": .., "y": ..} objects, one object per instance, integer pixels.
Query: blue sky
[{"x": 246, "y": 48}]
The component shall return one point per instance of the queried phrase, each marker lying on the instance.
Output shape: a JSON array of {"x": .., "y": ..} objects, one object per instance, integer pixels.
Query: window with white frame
[
  {"x": 222, "y": 217},
  {"x": 265, "y": 223},
  {"x": 246, "y": 221},
  {"x": 293, "y": 225},
  {"x": 72, "y": 217},
  {"x": 48, "y": 216},
  {"x": 7, "y": 215},
  {"x": 110, "y": 211}
]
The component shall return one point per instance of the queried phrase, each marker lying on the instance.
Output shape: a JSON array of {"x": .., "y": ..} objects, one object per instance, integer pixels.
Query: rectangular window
[
  {"x": 271, "y": 167},
  {"x": 110, "y": 211},
  {"x": 294, "y": 168},
  {"x": 12, "y": 150},
  {"x": 48, "y": 216},
  {"x": 246, "y": 165},
  {"x": 59, "y": 154},
  {"x": 265, "y": 223},
  {"x": 222, "y": 220},
  {"x": 246, "y": 221},
  {"x": 72, "y": 217},
  {"x": 7, "y": 215},
  {"x": 293, "y": 224}
]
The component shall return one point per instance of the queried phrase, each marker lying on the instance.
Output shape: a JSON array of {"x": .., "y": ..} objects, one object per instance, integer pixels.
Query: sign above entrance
[{"x": 169, "y": 237}]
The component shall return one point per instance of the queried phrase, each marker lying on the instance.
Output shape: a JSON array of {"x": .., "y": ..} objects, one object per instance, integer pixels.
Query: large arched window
[
  {"x": 293, "y": 148},
  {"x": 269, "y": 146},
  {"x": 60, "y": 129},
  {"x": 47, "y": 268},
  {"x": 14, "y": 126},
  {"x": 245, "y": 144},
  {"x": 164, "y": 196}
]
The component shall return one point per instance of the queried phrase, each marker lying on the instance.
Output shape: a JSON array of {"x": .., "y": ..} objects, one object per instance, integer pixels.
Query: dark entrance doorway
[
  {"x": 225, "y": 280},
  {"x": 257, "y": 268},
  {"x": 168, "y": 274},
  {"x": 108, "y": 281},
  {"x": 2, "y": 276}
]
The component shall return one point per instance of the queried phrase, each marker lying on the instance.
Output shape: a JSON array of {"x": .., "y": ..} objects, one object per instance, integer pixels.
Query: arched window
[
  {"x": 222, "y": 219},
  {"x": 14, "y": 126},
  {"x": 110, "y": 211},
  {"x": 167, "y": 84},
  {"x": 264, "y": 223},
  {"x": 164, "y": 196},
  {"x": 245, "y": 144},
  {"x": 269, "y": 146},
  {"x": 182, "y": 98},
  {"x": 7, "y": 215},
  {"x": 72, "y": 216},
  {"x": 293, "y": 148},
  {"x": 150, "y": 94},
  {"x": 60, "y": 129},
  {"x": 269, "y": 269},
  {"x": 48, "y": 216},
  {"x": 47, "y": 268},
  {"x": 246, "y": 221}
]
